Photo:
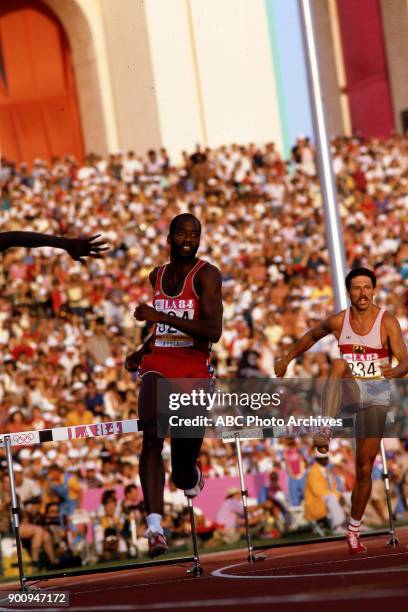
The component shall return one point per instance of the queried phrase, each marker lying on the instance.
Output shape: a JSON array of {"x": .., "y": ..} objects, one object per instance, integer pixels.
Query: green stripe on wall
[{"x": 277, "y": 66}]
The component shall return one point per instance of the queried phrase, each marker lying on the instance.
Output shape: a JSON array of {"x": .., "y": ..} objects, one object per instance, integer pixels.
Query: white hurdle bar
[{"x": 77, "y": 432}]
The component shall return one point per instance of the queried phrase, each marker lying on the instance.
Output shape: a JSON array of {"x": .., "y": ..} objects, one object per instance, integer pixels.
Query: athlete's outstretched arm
[
  {"x": 209, "y": 326},
  {"x": 310, "y": 338},
  {"x": 398, "y": 349},
  {"x": 77, "y": 248}
]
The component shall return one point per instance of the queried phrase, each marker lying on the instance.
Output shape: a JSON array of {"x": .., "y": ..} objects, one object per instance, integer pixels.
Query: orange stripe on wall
[{"x": 39, "y": 115}]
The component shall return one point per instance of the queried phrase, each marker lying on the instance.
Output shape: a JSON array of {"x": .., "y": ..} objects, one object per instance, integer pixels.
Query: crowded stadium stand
[{"x": 65, "y": 330}]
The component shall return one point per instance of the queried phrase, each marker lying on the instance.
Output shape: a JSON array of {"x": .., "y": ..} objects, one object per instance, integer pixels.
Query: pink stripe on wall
[
  {"x": 209, "y": 500},
  {"x": 365, "y": 62}
]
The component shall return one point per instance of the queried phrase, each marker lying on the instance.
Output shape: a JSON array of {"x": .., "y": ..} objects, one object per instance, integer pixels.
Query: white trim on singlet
[{"x": 193, "y": 270}]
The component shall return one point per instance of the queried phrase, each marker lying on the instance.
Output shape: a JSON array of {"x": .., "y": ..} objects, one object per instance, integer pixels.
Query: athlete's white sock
[
  {"x": 154, "y": 523},
  {"x": 354, "y": 525}
]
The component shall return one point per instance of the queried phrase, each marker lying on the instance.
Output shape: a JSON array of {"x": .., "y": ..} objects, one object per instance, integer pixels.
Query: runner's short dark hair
[
  {"x": 360, "y": 272},
  {"x": 184, "y": 216}
]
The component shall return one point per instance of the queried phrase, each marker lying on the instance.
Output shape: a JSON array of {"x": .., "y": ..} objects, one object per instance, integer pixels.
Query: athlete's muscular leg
[
  {"x": 186, "y": 442},
  {"x": 366, "y": 452},
  {"x": 151, "y": 466},
  {"x": 184, "y": 455},
  {"x": 340, "y": 389},
  {"x": 369, "y": 422}
]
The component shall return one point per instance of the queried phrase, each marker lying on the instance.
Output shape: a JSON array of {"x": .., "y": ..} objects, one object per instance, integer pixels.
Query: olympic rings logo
[{"x": 23, "y": 438}]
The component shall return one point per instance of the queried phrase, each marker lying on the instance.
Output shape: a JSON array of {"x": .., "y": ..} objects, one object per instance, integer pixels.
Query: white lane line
[
  {"x": 219, "y": 573},
  {"x": 324, "y": 563},
  {"x": 300, "y": 598}
]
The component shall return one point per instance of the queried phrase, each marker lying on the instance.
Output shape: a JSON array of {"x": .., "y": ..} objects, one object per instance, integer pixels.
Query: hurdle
[
  {"x": 236, "y": 436},
  {"x": 64, "y": 434}
]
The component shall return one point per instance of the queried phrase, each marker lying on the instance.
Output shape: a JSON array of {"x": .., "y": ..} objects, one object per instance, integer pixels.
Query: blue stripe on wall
[{"x": 290, "y": 70}]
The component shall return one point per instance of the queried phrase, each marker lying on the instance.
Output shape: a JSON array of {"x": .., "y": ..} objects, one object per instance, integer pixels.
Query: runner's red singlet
[{"x": 173, "y": 354}]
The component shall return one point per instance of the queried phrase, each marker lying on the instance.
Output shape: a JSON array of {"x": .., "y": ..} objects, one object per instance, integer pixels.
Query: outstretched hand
[{"x": 78, "y": 248}]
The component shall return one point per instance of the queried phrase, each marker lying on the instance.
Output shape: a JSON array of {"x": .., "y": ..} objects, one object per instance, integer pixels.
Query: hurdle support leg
[
  {"x": 15, "y": 514},
  {"x": 393, "y": 541},
  {"x": 196, "y": 568},
  {"x": 244, "y": 494}
]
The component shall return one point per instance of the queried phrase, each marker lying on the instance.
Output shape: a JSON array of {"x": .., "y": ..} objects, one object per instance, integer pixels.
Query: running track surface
[{"x": 294, "y": 579}]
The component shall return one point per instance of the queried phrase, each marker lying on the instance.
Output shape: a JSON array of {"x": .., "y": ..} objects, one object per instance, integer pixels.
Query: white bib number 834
[{"x": 360, "y": 368}]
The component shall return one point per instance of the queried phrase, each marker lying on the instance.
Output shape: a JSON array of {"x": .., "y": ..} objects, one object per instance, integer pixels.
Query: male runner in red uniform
[
  {"x": 368, "y": 339},
  {"x": 187, "y": 312}
]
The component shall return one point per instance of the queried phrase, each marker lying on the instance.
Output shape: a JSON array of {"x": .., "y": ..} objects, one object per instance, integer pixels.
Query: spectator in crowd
[
  {"x": 26, "y": 487},
  {"x": 322, "y": 498},
  {"x": 274, "y": 501},
  {"x": 110, "y": 543},
  {"x": 38, "y": 538},
  {"x": 230, "y": 517},
  {"x": 92, "y": 480},
  {"x": 93, "y": 399},
  {"x": 296, "y": 470},
  {"x": 64, "y": 488},
  {"x": 377, "y": 511},
  {"x": 134, "y": 525},
  {"x": 79, "y": 415},
  {"x": 16, "y": 422},
  {"x": 98, "y": 344},
  {"x": 61, "y": 541}
]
